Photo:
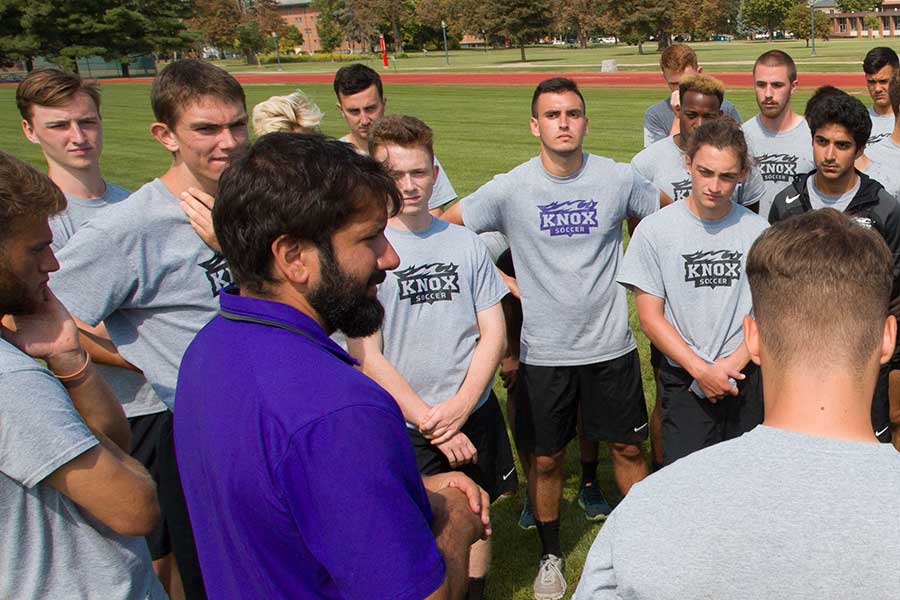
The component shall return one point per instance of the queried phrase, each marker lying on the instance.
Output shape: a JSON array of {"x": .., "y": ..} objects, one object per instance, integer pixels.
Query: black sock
[
  {"x": 476, "y": 589},
  {"x": 548, "y": 531},
  {"x": 588, "y": 472}
]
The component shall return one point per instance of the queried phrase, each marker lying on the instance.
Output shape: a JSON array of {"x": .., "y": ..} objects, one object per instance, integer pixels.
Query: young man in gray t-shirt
[
  {"x": 563, "y": 214},
  {"x": 803, "y": 506},
  {"x": 881, "y": 160},
  {"x": 73, "y": 500},
  {"x": 686, "y": 266},
  {"x": 778, "y": 137},
  {"x": 879, "y": 65},
  {"x": 161, "y": 286},
  {"x": 443, "y": 333}
]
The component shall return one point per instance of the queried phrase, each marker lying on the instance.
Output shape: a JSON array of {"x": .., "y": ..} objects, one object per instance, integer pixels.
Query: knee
[
  {"x": 626, "y": 451},
  {"x": 548, "y": 465}
]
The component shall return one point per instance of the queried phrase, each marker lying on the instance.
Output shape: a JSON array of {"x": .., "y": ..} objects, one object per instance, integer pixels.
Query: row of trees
[{"x": 120, "y": 29}]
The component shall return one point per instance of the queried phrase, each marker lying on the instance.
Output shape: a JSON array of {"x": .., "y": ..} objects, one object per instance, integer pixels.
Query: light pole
[
  {"x": 812, "y": 26},
  {"x": 277, "y": 53},
  {"x": 444, "y": 30}
]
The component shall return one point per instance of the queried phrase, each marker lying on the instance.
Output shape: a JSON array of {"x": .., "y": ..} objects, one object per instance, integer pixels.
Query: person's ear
[
  {"x": 535, "y": 130},
  {"x": 296, "y": 261},
  {"x": 888, "y": 340},
  {"x": 751, "y": 337},
  {"x": 165, "y": 136},
  {"x": 28, "y": 130}
]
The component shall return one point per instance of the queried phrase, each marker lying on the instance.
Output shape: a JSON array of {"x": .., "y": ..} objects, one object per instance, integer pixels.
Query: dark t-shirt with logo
[
  {"x": 566, "y": 239},
  {"x": 431, "y": 304},
  {"x": 779, "y": 156},
  {"x": 698, "y": 267}
]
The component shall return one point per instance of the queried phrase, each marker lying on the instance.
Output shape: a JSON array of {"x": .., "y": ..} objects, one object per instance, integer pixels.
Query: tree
[
  {"x": 145, "y": 26},
  {"x": 290, "y": 39},
  {"x": 639, "y": 20},
  {"x": 797, "y": 23},
  {"x": 873, "y": 25},
  {"x": 520, "y": 21},
  {"x": 243, "y": 25},
  {"x": 15, "y": 42},
  {"x": 581, "y": 16},
  {"x": 766, "y": 14},
  {"x": 395, "y": 13},
  {"x": 703, "y": 18},
  {"x": 857, "y": 5},
  {"x": 328, "y": 25},
  {"x": 359, "y": 22}
]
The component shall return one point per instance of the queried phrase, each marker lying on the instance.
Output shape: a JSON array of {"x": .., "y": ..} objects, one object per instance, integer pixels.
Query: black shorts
[
  {"x": 146, "y": 431},
  {"x": 505, "y": 263},
  {"x": 691, "y": 423},
  {"x": 881, "y": 405},
  {"x": 610, "y": 394},
  {"x": 656, "y": 357},
  {"x": 494, "y": 469}
]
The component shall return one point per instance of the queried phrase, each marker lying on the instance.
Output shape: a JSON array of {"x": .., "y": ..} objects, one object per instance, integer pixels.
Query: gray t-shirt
[
  {"x": 771, "y": 514},
  {"x": 659, "y": 118},
  {"x": 882, "y": 126},
  {"x": 819, "y": 199},
  {"x": 131, "y": 388},
  {"x": 49, "y": 547},
  {"x": 431, "y": 303},
  {"x": 566, "y": 240},
  {"x": 145, "y": 273},
  {"x": 699, "y": 268},
  {"x": 779, "y": 156},
  {"x": 663, "y": 163}
]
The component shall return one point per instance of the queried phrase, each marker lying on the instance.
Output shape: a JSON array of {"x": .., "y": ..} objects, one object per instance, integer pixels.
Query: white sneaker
[{"x": 550, "y": 584}]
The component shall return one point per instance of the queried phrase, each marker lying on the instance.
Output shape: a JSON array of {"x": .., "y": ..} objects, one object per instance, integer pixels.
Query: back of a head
[
  {"x": 53, "y": 88},
  {"x": 555, "y": 85},
  {"x": 355, "y": 78},
  {"x": 295, "y": 113},
  {"x": 401, "y": 130},
  {"x": 301, "y": 185},
  {"x": 184, "y": 82},
  {"x": 777, "y": 58},
  {"x": 677, "y": 58},
  {"x": 829, "y": 105},
  {"x": 25, "y": 193},
  {"x": 821, "y": 285},
  {"x": 702, "y": 84},
  {"x": 878, "y": 58},
  {"x": 894, "y": 92}
]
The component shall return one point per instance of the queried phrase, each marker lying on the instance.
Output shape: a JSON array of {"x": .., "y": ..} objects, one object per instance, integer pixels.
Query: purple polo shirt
[{"x": 297, "y": 469}]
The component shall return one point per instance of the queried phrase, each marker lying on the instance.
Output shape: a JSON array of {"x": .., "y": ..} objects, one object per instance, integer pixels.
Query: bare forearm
[
  {"x": 386, "y": 375},
  {"x": 665, "y": 337},
  {"x": 455, "y": 529},
  {"x": 483, "y": 366}
]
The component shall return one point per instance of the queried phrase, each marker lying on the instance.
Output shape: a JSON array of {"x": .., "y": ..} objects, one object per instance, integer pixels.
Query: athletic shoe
[
  {"x": 550, "y": 583},
  {"x": 526, "y": 519},
  {"x": 591, "y": 499}
]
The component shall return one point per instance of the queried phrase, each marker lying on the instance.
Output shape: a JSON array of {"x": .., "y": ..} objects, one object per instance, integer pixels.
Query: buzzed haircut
[
  {"x": 829, "y": 105},
  {"x": 555, "y": 85},
  {"x": 894, "y": 92},
  {"x": 778, "y": 58},
  {"x": 184, "y": 82},
  {"x": 878, "y": 58},
  {"x": 804, "y": 273},
  {"x": 25, "y": 193},
  {"x": 720, "y": 133},
  {"x": 355, "y": 78},
  {"x": 702, "y": 84},
  {"x": 678, "y": 57},
  {"x": 401, "y": 130},
  {"x": 53, "y": 88},
  {"x": 304, "y": 186},
  {"x": 295, "y": 112}
]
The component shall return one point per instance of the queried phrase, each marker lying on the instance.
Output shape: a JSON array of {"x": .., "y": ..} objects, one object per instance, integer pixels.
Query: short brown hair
[
  {"x": 403, "y": 131},
  {"x": 555, "y": 85},
  {"x": 185, "y": 81},
  {"x": 702, "y": 84},
  {"x": 778, "y": 58},
  {"x": 678, "y": 57},
  {"x": 804, "y": 272},
  {"x": 52, "y": 87},
  {"x": 720, "y": 133},
  {"x": 894, "y": 92},
  {"x": 25, "y": 193}
]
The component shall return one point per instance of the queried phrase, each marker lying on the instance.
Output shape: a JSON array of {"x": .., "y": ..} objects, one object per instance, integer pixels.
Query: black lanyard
[{"x": 261, "y": 321}]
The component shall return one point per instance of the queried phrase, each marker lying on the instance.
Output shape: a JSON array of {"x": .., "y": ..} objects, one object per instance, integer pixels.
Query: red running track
[{"x": 625, "y": 78}]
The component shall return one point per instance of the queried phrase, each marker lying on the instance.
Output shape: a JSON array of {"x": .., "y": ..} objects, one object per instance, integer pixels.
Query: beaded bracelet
[{"x": 79, "y": 372}]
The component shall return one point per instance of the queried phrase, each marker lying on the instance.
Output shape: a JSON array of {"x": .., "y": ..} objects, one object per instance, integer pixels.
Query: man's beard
[
  {"x": 343, "y": 302},
  {"x": 14, "y": 296}
]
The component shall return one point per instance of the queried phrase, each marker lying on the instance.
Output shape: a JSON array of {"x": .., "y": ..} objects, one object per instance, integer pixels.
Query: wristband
[{"x": 79, "y": 372}]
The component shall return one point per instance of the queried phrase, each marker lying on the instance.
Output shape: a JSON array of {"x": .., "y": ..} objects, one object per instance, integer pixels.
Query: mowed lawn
[{"x": 480, "y": 131}]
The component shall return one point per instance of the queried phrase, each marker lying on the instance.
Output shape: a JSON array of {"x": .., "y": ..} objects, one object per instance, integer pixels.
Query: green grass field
[
  {"x": 480, "y": 131},
  {"x": 832, "y": 55}
]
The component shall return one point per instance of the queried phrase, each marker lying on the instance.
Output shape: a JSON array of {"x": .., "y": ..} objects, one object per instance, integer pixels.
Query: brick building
[{"x": 853, "y": 25}]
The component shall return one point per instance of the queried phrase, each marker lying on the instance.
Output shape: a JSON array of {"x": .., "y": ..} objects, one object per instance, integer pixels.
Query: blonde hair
[{"x": 294, "y": 113}]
